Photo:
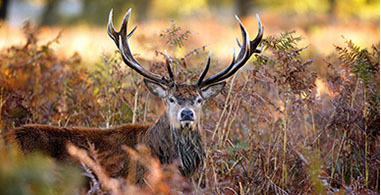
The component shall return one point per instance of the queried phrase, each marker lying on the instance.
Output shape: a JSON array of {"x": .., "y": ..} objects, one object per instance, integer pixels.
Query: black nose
[{"x": 187, "y": 115}]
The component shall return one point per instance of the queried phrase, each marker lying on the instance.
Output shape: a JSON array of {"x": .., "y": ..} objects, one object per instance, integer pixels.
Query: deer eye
[
  {"x": 171, "y": 100},
  {"x": 199, "y": 101}
]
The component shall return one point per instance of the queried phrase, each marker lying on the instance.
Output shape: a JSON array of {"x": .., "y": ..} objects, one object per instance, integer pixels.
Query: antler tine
[
  {"x": 247, "y": 49},
  {"x": 238, "y": 43},
  {"x": 121, "y": 40},
  {"x": 203, "y": 74},
  {"x": 167, "y": 61},
  {"x": 245, "y": 41},
  {"x": 254, "y": 43},
  {"x": 216, "y": 77},
  {"x": 207, "y": 65},
  {"x": 111, "y": 30}
]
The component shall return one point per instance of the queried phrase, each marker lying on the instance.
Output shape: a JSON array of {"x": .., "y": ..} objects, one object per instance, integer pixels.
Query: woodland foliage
[{"x": 278, "y": 126}]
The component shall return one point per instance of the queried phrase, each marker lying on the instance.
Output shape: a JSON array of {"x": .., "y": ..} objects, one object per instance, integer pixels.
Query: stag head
[{"x": 184, "y": 101}]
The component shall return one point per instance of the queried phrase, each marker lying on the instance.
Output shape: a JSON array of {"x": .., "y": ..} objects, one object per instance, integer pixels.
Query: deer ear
[
  {"x": 212, "y": 90},
  {"x": 155, "y": 88}
]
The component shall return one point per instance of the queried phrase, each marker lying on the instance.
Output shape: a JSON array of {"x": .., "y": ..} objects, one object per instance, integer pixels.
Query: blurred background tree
[
  {"x": 52, "y": 12},
  {"x": 3, "y": 9},
  {"x": 49, "y": 15}
]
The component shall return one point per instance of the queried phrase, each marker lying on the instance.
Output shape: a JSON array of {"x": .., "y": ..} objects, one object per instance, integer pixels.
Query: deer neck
[{"x": 171, "y": 144}]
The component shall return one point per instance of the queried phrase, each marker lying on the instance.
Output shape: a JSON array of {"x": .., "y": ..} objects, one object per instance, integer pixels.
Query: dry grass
[{"x": 277, "y": 128}]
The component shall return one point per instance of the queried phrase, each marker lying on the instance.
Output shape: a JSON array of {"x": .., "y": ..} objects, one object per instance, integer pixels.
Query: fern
[
  {"x": 365, "y": 65},
  {"x": 284, "y": 41},
  {"x": 174, "y": 35},
  {"x": 361, "y": 62}
]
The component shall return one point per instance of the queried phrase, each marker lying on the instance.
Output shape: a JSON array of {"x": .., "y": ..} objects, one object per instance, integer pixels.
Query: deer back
[{"x": 107, "y": 143}]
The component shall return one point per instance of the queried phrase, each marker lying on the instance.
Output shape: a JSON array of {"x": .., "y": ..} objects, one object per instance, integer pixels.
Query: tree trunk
[
  {"x": 49, "y": 16},
  {"x": 243, "y": 7},
  {"x": 142, "y": 7},
  {"x": 3, "y": 9}
]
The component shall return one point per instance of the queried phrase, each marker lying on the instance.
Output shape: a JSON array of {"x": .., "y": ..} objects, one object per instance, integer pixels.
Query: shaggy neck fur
[{"x": 170, "y": 144}]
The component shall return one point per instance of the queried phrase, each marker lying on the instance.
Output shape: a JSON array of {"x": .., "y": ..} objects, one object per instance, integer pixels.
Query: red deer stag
[{"x": 174, "y": 137}]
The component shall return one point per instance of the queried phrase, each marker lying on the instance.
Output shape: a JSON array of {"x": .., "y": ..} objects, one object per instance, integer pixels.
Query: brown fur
[
  {"x": 166, "y": 143},
  {"x": 185, "y": 91},
  {"x": 52, "y": 140},
  {"x": 169, "y": 144}
]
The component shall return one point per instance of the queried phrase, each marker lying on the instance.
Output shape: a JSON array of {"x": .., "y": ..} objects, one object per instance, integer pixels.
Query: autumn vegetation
[{"x": 281, "y": 125}]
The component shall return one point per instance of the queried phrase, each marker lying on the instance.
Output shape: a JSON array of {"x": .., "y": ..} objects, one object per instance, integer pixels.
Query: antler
[
  {"x": 247, "y": 49},
  {"x": 121, "y": 40}
]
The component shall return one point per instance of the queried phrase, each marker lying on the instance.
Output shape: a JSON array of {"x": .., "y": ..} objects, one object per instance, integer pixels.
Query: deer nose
[{"x": 187, "y": 115}]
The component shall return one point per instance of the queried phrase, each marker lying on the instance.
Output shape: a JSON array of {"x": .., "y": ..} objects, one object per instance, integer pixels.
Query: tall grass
[{"x": 274, "y": 129}]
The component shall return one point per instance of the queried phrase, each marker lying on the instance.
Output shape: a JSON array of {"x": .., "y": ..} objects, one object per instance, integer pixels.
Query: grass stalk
[
  {"x": 145, "y": 108},
  {"x": 366, "y": 145},
  {"x": 285, "y": 127},
  {"x": 134, "y": 113},
  {"x": 226, "y": 136},
  {"x": 315, "y": 135},
  {"x": 333, "y": 169},
  {"x": 225, "y": 106},
  {"x": 224, "y": 128},
  {"x": 353, "y": 97},
  {"x": 1, "y": 108},
  {"x": 241, "y": 190},
  {"x": 366, "y": 162},
  {"x": 114, "y": 111}
]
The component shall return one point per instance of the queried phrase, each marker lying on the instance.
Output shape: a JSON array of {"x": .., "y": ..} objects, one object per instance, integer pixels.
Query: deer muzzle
[{"x": 187, "y": 117}]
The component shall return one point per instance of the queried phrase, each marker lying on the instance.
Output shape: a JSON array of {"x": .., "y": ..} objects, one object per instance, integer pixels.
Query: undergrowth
[{"x": 273, "y": 130}]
